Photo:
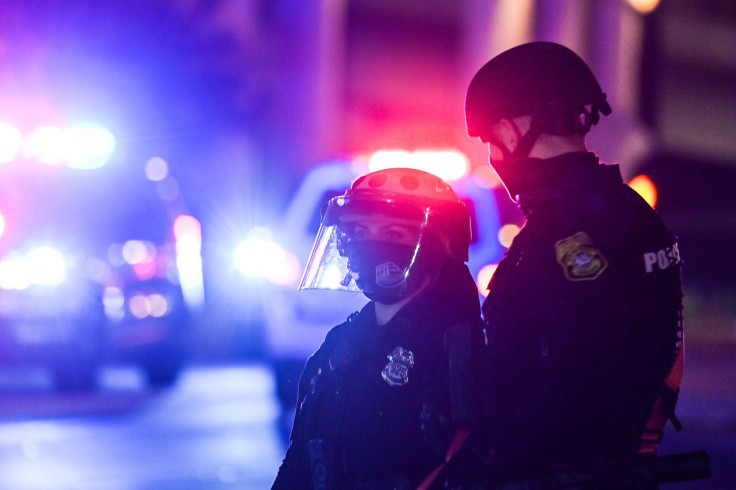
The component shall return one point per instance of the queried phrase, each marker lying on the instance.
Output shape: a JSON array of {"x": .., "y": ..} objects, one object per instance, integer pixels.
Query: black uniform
[
  {"x": 359, "y": 417},
  {"x": 584, "y": 319}
]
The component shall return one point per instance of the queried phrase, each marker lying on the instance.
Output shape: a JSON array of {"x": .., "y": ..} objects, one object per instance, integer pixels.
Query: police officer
[
  {"x": 584, "y": 313},
  {"x": 401, "y": 237}
]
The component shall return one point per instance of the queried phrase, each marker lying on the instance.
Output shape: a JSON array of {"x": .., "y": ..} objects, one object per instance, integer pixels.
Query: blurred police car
[
  {"x": 296, "y": 322},
  {"x": 88, "y": 264}
]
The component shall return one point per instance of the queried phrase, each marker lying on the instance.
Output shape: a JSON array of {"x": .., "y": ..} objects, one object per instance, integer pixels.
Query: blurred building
[{"x": 358, "y": 75}]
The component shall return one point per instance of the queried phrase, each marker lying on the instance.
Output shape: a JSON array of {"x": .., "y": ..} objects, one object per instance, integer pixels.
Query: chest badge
[
  {"x": 396, "y": 372},
  {"x": 579, "y": 258}
]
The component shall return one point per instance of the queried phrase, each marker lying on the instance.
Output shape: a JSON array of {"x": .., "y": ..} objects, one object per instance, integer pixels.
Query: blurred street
[{"x": 217, "y": 429}]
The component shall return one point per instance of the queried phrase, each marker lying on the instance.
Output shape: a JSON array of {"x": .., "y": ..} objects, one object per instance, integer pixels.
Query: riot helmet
[
  {"x": 388, "y": 235},
  {"x": 544, "y": 80}
]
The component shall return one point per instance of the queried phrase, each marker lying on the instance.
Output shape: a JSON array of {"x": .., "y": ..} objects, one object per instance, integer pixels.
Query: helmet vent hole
[
  {"x": 410, "y": 183},
  {"x": 377, "y": 181}
]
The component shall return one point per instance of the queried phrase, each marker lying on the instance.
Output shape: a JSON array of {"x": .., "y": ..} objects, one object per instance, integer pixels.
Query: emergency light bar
[
  {"x": 82, "y": 147},
  {"x": 445, "y": 164}
]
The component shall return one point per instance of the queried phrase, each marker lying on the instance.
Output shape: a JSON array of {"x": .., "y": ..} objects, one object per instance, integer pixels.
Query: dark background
[{"x": 242, "y": 97}]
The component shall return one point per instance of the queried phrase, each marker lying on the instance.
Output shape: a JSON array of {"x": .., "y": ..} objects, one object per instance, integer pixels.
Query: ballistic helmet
[
  {"x": 347, "y": 256},
  {"x": 544, "y": 80}
]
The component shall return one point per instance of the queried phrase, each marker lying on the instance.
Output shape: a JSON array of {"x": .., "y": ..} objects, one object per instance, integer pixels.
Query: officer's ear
[
  {"x": 510, "y": 131},
  {"x": 505, "y": 134}
]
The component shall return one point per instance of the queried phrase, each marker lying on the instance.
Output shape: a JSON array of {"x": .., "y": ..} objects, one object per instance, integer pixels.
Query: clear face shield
[{"x": 385, "y": 249}]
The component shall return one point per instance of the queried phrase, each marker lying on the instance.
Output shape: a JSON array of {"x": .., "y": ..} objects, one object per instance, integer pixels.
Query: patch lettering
[
  {"x": 389, "y": 275},
  {"x": 579, "y": 258},
  {"x": 662, "y": 259}
]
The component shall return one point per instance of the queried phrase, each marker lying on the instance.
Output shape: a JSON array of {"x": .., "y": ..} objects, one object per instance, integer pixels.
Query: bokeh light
[
  {"x": 47, "y": 145},
  {"x": 507, "y": 233},
  {"x": 45, "y": 265},
  {"x": 644, "y": 186},
  {"x": 140, "y": 306},
  {"x": 644, "y": 6},
  {"x": 136, "y": 251},
  {"x": 159, "y": 305},
  {"x": 114, "y": 301},
  {"x": 188, "y": 234},
  {"x": 10, "y": 141},
  {"x": 484, "y": 277},
  {"x": 260, "y": 256},
  {"x": 88, "y": 147},
  {"x": 156, "y": 169},
  {"x": 188, "y": 228},
  {"x": 41, "y": 265}
]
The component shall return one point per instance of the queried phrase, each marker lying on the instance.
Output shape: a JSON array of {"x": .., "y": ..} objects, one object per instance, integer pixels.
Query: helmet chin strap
[
  {"x": 524, "y": 145},
  {"x": 508, "y": 168},
  {"x": 525, "y": 142}
]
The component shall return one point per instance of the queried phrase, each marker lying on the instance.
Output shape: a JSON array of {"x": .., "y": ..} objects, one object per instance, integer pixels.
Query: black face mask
[
  {"x": 511, "y": 175},
  {"x": 520, "y": 176},
  {"x": 383, "y": 269}
]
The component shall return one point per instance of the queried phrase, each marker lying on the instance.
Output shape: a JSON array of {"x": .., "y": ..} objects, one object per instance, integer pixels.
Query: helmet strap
[
  {"x": 525, "y": 142},
  {"x": 508, "y": 169}
]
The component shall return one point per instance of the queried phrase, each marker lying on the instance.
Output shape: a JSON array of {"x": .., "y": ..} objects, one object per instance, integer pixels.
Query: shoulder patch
[
  {"x": 579, "y": 258},
  {"x": 662, "y": 259}
]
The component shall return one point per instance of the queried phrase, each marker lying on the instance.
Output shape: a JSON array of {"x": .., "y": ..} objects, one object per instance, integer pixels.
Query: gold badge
[{"x": 579, "y": 258}]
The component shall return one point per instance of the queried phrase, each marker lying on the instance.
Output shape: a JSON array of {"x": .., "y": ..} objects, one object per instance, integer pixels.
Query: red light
[
  {"x": 145, "y": 270},
  {"x": 448, "y": 164}
]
